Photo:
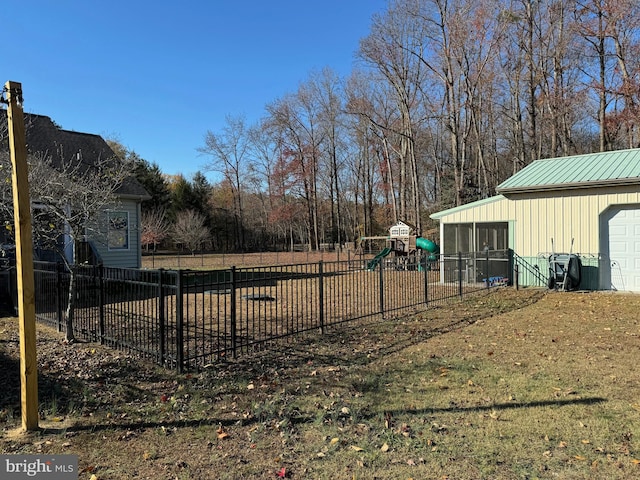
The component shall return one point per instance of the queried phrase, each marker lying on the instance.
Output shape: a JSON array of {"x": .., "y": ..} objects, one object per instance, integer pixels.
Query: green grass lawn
[{"x": 505, "y": 385}]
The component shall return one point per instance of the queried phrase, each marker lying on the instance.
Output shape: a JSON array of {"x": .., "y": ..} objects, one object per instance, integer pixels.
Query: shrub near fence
[{"x": 188, "y": 319}]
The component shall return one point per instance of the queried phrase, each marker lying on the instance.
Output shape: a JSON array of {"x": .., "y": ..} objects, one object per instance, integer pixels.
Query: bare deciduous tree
[
  {"x": 154, "y": 228},
  {"x": 295, "y": 122},
  {"x": 229, "y": 156},
  {"x": 190, "y": 230},
  {"x": 69, "y": 199},
  {"x": 392, "y": 48}
]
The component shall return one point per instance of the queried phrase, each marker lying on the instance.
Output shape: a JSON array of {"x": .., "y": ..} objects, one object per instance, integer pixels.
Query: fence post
[
  {"x": 101, "y": 302},
  {"x": 512, "y": 269},
  {"x": 321, "y": 294},
  {"x": 233, "y": 311},
  {"x": 381, "y": 263},
  {"x": 460, "y": 274},
  {"x": 59, "y": 295},
  {"x": 161, "y": 317},
  {"x": 426, "y": 275},
  {"x": 488, "y": 270},
  {"x": 179, "y": 323}
]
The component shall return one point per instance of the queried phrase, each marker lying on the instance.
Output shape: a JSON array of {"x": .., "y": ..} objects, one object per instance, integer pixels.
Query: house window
[{"x": 118, "y": 235}]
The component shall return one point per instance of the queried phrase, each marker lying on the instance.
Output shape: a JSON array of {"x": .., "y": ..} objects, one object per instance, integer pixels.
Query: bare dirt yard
[
  {"x": 228, "y": 260},
  {"x": 503, "y": 385}
]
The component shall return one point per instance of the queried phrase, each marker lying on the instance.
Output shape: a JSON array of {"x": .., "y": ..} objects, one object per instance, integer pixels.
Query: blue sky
[{"x": 157, "y": 75}]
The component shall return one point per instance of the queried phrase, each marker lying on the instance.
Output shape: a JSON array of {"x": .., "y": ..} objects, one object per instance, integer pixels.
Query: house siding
[{"x": 125, "y": 258}]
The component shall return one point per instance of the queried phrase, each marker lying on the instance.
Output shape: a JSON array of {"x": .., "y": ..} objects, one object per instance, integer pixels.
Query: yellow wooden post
[{"x": 24, "y": 257}]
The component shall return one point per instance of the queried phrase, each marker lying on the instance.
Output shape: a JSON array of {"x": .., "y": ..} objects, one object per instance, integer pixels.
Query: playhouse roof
[
  {"x": 400, "y": 223},
  {"x": 620, "y": 167}
]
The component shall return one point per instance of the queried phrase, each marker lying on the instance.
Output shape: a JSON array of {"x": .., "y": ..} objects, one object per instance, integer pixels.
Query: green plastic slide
[
  {"x": 431, "y": 247},
  {"x": 426, "y": 244},
  {"x": 376, "y": 260}
]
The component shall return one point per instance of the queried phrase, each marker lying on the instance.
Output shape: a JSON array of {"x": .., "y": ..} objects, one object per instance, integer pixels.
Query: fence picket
[
  {"x": 234, "y": 312},
  {"x": 100, "y": 272},
  {"x": 161, "y": 320},
  {"x": 321, "y": 295},
  {"x": 179, "y": 322},
  {"x": 381, "y": 288},
  {"x": 59, "y": 300}
]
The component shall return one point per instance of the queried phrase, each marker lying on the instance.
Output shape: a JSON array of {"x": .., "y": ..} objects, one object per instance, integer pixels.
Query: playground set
[{"x": 403, "y": 249}]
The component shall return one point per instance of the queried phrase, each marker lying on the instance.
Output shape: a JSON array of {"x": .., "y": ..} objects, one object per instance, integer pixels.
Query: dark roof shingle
[{"x": 43, "y": 137}]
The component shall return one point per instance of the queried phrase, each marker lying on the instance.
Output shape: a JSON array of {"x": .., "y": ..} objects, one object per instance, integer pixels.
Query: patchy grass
[{"x": 505, "y": 385}]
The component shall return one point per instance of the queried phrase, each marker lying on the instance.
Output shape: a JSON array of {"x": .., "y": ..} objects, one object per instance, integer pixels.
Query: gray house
[{"x": 116, "y": 242}]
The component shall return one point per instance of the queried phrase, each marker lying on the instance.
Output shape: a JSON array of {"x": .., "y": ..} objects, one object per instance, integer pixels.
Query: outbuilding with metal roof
[{"x": 584, "y": 204}]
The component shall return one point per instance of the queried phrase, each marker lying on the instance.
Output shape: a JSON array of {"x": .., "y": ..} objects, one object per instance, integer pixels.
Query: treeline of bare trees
[
  {"x": 180, "y": 212},
  {"x": 450, "y": 98}
]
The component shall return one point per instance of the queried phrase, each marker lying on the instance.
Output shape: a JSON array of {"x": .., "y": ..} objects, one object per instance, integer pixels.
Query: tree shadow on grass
[
  {"x": 53, "y": 394},
  {"x": 502, "y": 406},
  {"x": 302, "y": 419}
]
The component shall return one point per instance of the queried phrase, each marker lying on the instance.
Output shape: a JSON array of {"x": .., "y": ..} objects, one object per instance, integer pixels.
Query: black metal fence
[{"x": 188, "y": 319}]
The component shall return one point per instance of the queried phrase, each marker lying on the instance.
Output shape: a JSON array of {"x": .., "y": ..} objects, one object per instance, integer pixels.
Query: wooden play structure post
[{"x": 24, "y": 257}]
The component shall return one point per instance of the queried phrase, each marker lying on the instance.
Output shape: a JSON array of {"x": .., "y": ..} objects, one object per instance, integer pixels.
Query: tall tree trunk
[
  {"x": 71, "y": 299},
  {"x": 532, "y": 109},
  {"x": 71, "y": 305},
  {"x": 391, "y": 190}
]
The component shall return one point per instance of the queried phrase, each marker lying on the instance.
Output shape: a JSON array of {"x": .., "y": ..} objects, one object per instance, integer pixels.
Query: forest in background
[{"x": 448, "y": 98}]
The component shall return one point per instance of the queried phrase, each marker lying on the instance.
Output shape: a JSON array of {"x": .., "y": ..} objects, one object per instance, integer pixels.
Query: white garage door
[{"x": 624, "y": 249}]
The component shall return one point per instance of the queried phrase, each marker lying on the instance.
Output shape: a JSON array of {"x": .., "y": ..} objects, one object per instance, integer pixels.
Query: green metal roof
[{"x": 621, "y": 167}]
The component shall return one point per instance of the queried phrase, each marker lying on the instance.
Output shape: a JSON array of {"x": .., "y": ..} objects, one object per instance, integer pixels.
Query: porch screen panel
[
  {"x": 495, "y": 236},
  {"x": 458, "y": 238}
]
